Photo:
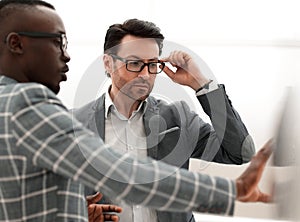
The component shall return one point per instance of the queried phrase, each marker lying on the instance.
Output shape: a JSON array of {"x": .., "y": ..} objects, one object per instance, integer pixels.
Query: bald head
[{"x": 11, "y": 12}]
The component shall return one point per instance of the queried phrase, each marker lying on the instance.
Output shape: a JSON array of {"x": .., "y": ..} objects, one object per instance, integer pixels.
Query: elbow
[{"x": 248, "y": 149}]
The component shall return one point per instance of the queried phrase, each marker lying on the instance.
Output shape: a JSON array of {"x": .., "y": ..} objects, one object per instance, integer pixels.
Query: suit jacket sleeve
[
  {"x": 228, "y": 141},
  {"x": 47, "y": 135}
]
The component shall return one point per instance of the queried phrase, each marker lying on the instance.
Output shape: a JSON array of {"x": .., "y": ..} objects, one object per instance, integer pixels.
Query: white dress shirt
[{"x": 128, "y": 134}]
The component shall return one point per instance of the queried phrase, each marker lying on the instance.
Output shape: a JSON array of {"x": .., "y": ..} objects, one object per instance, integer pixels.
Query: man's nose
[
  {"x": 144, "y": 73},
  {"x": 66, "y": 56}
]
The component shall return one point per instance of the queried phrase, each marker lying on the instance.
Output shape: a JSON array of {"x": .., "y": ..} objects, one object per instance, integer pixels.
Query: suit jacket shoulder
[{"x": 84, "y": 113}]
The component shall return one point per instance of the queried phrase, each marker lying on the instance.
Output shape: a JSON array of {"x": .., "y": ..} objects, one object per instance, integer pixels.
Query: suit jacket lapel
[
  {"x": 151, "y": 123},
  {"x": 97, "y": 120}
]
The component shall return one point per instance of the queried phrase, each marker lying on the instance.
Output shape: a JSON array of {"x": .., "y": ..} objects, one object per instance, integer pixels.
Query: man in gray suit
[
  {"x": 127, "y": 118},
  {"x": 47, "y": 159}
]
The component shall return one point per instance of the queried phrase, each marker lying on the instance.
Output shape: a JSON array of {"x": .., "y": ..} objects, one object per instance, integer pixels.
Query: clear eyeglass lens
[
  {"x": 64, "y": 42},
  {"x": 137, "y": 66},
  {"x": 154, "y": 67}
]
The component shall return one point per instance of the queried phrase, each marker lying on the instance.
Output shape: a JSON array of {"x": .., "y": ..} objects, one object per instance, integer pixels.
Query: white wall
[{"x": 252, "y": 46}]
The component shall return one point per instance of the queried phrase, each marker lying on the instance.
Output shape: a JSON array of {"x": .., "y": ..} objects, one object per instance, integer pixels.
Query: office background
[{"x": 252, "y": 46}]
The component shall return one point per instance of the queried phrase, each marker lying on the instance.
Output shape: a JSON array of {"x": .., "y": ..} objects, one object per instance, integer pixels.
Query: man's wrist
[
  {"x": 207, "y": 87},
  {"x": 239, "y": 189}
]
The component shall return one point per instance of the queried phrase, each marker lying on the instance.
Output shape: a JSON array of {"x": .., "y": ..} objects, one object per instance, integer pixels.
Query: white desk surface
[{"x": 213, "y": 218}]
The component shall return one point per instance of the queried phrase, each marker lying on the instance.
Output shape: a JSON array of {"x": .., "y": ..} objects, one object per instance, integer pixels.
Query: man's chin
[
  {"x": 54, "y": 89},
  {"x": 144, "y": 97},
  {"x": 139, "y": 98}
]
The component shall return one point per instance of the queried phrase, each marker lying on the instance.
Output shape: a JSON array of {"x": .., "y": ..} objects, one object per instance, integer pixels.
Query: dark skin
[
  {"x": 21, "y": 56},
  {"x": 101, "y": 212},
  {"x": 247, "y": 183}
]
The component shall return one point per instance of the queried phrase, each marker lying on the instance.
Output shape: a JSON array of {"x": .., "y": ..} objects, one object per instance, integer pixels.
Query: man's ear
[
  {"x": 14, "y": 43},
  {"x": 108, "y": 63}
]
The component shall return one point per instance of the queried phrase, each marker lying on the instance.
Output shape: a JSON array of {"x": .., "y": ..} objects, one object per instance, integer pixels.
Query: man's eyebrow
[{"x": 139, "y": 58}]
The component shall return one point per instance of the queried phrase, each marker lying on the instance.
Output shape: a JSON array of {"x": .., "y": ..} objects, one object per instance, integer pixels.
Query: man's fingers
[
  {"x": 247, "y": 183},
  {"x": 177, "y": 58},
  {"x": 94, "y": 198},
  {"x": 95, "y": 213},
  {"x": 111, "y": 217},
  {"x": 101, "y": 212},
  {"x": 169, "y": 72},
  {"x": 111, "y": 208},
  {"x": 265, "y": 152},
  {"x": 266, "y": 198},
  {"x": 262, "y": 156}
]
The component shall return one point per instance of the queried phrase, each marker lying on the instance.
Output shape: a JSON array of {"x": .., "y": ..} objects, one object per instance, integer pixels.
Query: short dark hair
[
  {"x": 135, "y": 27},
  {"x": 4, "y": 3},
  {"x": 9, "y": 7}
]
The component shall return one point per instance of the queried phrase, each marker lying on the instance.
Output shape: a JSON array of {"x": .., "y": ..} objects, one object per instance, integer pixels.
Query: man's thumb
[{"x": 93, "y": 198}]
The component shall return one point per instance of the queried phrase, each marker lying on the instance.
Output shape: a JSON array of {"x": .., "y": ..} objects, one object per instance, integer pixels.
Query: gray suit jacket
[{"x": 175, "y": 133}]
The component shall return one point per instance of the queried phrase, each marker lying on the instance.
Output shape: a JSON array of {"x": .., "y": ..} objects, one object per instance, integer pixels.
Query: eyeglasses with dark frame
[
  {"x": 62, "y": 36},
  {"x": 139, "y": 65}
]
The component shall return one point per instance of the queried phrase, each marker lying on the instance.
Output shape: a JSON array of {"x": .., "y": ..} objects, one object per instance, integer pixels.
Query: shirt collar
[
  {"x": 4, "y": 80},
  {"x": 109, "y": 104}
]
